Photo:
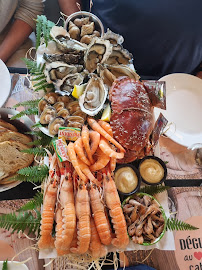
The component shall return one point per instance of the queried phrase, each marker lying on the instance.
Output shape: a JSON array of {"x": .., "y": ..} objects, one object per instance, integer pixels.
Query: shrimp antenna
[{"x": 91, "y": 5}]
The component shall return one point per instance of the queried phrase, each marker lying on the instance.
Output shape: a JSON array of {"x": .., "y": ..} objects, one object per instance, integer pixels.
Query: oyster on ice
[
  {"x": 94, "y": 96},
  {"x": 98, "y": 52},
  {"x": 57, "y": 71},
  {"x": 113, "y": 37},
  {"x": 64, "y": 42}
]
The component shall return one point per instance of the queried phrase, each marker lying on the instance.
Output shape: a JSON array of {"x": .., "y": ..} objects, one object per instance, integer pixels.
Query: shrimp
[
  {"x": 106, "y": 148},
  {"x": 74, "y": 161},
  {"x": 78, "y": 146},
  {"x": 68, "y": 208},
  {"x": 95, "y": 139},
  {"x": 85, "y": 169},
  {"x": 101, "y": 162},
  {"x": 95, "y": 126},
  {"x": 96, "y": 248},
  {"x": 86, "y": 139},
  {"x": 113, "y": 203},
  {"x": 83, "y": 216},
  {"x": 100, "y": 218},
  {"x": 106, "y": 126},
  {"x": 46, "y": 240}
]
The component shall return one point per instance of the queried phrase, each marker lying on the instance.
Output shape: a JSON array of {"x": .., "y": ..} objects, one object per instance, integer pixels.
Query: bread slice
[
  {"x": 7, "y": 125},
  {"x": 8, "y": 180},
  {"x": 7, "y": 134},
  {"x": 12, "y": 159}
]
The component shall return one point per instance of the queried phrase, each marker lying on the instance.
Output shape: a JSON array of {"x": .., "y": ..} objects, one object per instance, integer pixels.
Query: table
[{"x": 179, "y": 174}]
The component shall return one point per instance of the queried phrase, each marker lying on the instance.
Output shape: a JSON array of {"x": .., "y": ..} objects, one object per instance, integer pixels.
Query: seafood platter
[{"x": 100, "y": 117}]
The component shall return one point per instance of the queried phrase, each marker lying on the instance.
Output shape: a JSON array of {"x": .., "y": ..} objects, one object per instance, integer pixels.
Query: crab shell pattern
[{"x": 132, "y": 117}]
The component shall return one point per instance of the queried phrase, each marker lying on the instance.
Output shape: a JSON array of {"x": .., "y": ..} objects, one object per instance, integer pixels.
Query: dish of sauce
[
  {"x": 151, "y": 171},
  {"x": 126, "y": 179}
]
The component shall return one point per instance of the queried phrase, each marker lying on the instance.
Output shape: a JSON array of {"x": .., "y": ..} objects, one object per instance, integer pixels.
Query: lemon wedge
[
  {"x": 78, "y": 90},
  {"x": 106, "y": 115}
]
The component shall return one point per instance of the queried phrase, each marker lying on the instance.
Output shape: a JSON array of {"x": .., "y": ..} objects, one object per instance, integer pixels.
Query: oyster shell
[
  {"x": 54, "y": 125},
  {"x": 66, "y": 85},
  {"x": 94, "y": 96},
  {"x": 57, "y": 71},
  {"x": 98, "y": 52},
  {"x": 119, "y": 56},
  {"x": 64, "y": 42},
  {"x": 69, "y": 58},
  {"x": 47, "y": 115},
  {"x": 109, "y": 73},
  {"x": 113, "y": 37}
]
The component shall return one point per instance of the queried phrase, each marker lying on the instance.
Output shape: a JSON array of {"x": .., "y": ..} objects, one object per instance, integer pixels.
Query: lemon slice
[
  {"x": 106, "y": 115},
  {"x": 78, "y": 90}
]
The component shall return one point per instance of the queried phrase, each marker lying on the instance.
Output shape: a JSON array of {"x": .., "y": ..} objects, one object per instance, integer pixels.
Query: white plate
[
  {"x": 5, "y": 80},
  {"x": 184, "y": 108},
  {"x": 15, "y": 266}
]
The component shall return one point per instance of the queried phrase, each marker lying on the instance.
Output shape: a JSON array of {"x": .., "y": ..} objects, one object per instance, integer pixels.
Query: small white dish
[
  {"x": 184, "y": 108},
  {"x": 5, "y": 80},
  {"x": 14, "y": 265}
]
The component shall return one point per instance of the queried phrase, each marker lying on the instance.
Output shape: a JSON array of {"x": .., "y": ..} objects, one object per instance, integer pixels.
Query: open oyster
[
  {"x": 69, "y": 58},
  {"x": 47, "y": 115},
  {"x": 94, "y": 96},
  {"x": 109, "y": 73},
  {"x": 119, "y": 56},
  {"x": 98, "y": 52},
  {"x": 64, "y": 42},
  {"x": 57, "y": 71},
  {"x": 66, "y": 85},
  {"x": 113, "y": 37},
  {"x": 54, "y": 125}
]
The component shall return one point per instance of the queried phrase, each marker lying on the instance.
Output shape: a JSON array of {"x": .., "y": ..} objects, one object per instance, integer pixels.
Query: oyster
[
  {"x": 109, "y": 73},
  {"x": 67, "y": 84},
  {"x": 98, "y": 52},
  {"x": 69, "y": 58},
  {"x": 47, "y": 115},
  {"x": 57, "y": 71},
  {"x": 64, "y": 42},
  {"x": 113, "y": 37},
  {"x": 54, "y": 125},
  {"x": 94, "y": 96},
  {"x": 119, "y": 56}
]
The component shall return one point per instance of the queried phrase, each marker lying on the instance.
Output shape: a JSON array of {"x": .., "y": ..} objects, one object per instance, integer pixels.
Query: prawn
[
  {"x": 101, "y": 162},
  {"x": 74, "y": 161},
  {"x": 85, "y": 139},
  {"x": 78, "y": 146},
  {"x": 83, "y": 216},
  {"x": 95, "y": 139},
  {"x": 113, "y": 203},
  {"x": 106, "y": 126},
  {"x": 106, "y": 148},
  {"x": 95, "y": 126},
  {"x": 85, "y": 169},
  {"x": 100, "y": 217},
  {"x": 96, "y": 248},
  {"x": 67, "y": 206},
  {"x": 46, "y": 240}
]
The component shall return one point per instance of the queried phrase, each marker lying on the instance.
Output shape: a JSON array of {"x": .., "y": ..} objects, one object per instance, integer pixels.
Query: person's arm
[
  {"x": 69, "y": 6},
  {"x": 23, "y": 25}
]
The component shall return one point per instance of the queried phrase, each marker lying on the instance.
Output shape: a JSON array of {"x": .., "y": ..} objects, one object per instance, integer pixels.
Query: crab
[{"x": 132, "y": 119}]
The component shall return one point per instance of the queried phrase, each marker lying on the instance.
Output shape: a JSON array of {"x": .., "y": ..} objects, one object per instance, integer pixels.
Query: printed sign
[{"x": 189, "y": 246}]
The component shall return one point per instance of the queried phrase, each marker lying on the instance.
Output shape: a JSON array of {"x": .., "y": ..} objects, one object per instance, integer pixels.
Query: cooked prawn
[
  {"x": 85, "y": 169},
  {"x": 106, "y": 148},
  {"x": 86, "y": 142},
  {"x": 101, "y": 162},
  {"x": 95, "y": 126},
  {"x": 67, "y": 204},
  {"x": 96, "y": 248},
  {"x": 83, "y": 216},
  {"x": 95, "y": 139},
  {"x": 113, "y": 203},
  {"x": 78, "y": 146},
  {"x": 100, "y": 218},
  {"x": 106, "y": 126},
  {"x": 74, "y": 161}
]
